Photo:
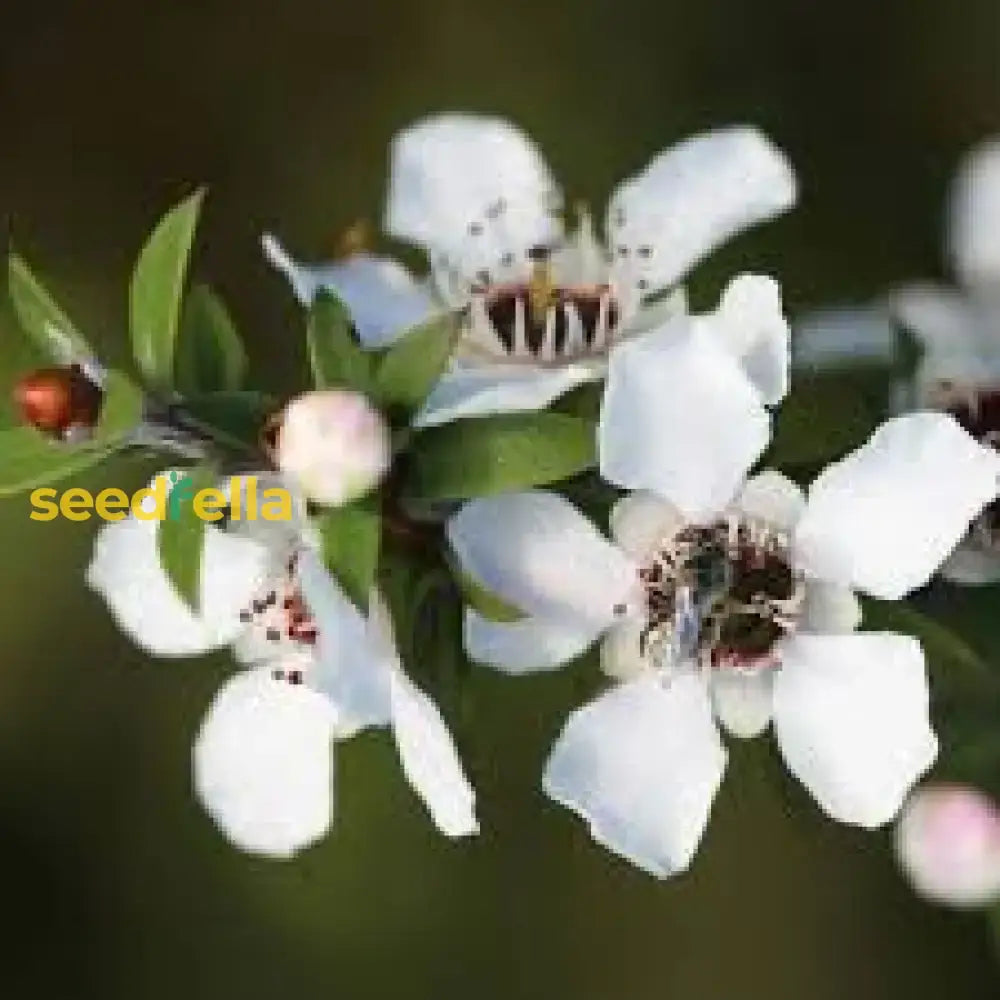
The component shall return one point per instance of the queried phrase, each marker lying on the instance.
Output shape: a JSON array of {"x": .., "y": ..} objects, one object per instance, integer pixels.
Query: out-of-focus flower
[
  {"x": 948, "y": 843},
  {"x": 318, "y": 671},
  {"x": 957, "y": 329},
  {"x": 544, "y": 307},
  {"x": 745, "y": 614},
  {"x": 333, "y": 444}
]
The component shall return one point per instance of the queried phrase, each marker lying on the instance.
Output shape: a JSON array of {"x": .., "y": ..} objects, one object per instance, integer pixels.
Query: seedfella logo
[{"x": 169, "y": 496}]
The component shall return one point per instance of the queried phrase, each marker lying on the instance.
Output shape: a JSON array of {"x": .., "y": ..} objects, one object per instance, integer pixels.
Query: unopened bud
[
  {"x": 61, "y": 402},
  {"x": 948, "y": 843},
  {"x": 333, "y": 443}
]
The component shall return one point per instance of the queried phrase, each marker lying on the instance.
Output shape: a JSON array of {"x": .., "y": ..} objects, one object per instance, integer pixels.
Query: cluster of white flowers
[{"x": 723, "y": 597}]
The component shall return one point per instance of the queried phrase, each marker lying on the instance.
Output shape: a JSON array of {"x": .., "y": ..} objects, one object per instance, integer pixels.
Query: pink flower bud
[
  {"x": 948, "y": 843},
  {"x": 334, "y": 444}
]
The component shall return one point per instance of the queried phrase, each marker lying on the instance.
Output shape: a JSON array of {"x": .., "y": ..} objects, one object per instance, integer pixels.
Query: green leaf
[
  {"x": 351, "y": 536},
  {"x": 29, "y": 458},
  {"x": 181, "y": 536},
  {"x": 488, "y": 455},
  {"x": 488, "y": 604},
  {"x": 412, "y": 365},
  {"x": 46, "y": 325},
  {"x": 210, "y": 354},
  {"x": 338, "y": 360},
  {"x": 157, "y": 290},
  {"x": 951, "y": 659},
  {"x": 826, "y": 416},
  {"x": 239, "y": 416}
]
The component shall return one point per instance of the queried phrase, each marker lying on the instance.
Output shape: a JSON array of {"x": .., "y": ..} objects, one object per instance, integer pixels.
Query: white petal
[
  {"x": 621, "y": 650},
  {"x": 695, "y": 196},
  {"x": 352, "y": 662},
  {"x": 673, "y": 305},
  {"x": 642, "y": 520},
  {"x": 851, "y": 719},
  {"x": 971, "y": 565},
  {"x": 430, "y": 760},
  {"x": 641, "y": 764},
  {"x": 263, "y": 764},
  {"x": 125, "y": 570},
  {"x": 885, "y": 517},
  {"x": 538, "y": 552},
  {"x": 773, "y": 498},
  {"x": 384, "y": 299},
  {"x": 524, "y": 646},
  {"x": 471, "y": 189},
  {"x": 751, "y": 322},
  {"x": 742, "y": 700},
  {"x": 974, "y": 231},
  {"x": 680, "y": 418},
  {"x": 478, "y": 392},
  {"x": 829, "y": 608},
  {"x": 840, "y": 336},
  {"x": 948, "y": 843}
]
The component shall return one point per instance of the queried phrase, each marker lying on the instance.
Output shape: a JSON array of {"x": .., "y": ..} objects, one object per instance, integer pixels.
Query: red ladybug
[{"x": 60, "y": 402}]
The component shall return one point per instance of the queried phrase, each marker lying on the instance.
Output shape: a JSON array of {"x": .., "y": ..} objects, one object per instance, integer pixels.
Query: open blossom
[
  {"x": 948, "y": 843},
  {"x": 543, "y": 306},
  {"x": 333, "y": 444},
  {"x": 744, "y": 615},
  {"x": 317, "y": 671}
]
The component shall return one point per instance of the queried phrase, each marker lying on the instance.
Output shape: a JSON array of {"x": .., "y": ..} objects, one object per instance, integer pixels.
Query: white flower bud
[
  {"x": 948, "y": 843},
  {"x": 334, "y": 444}
]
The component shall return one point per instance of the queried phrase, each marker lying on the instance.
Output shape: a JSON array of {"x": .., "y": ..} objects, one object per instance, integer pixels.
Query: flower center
[
  {"x": 977, "y": 409},
  {"x": 281, "y": 620},
  {"x": 722, "y": 594}
]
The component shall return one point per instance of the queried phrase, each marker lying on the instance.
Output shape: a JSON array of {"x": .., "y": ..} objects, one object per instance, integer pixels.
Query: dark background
[{"x": 113, "y": 882}]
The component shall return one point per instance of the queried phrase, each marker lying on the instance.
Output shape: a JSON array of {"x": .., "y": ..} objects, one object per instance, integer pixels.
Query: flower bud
[
  {"x": 948, "y": 843},
  {"x": 61, "y": 402},
  {"x": 333, "y": 443}
]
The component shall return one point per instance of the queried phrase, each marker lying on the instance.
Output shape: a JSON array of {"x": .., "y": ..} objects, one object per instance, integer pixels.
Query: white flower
[
  {"x": 333, "y": 444},
  {"x": 948, "y": 843},
  {"x": 959, "y": 331},
  {"x": 543, "y": 307},
  {"x": 746, "y": 615},
  {"x": 318, "y": 671}
]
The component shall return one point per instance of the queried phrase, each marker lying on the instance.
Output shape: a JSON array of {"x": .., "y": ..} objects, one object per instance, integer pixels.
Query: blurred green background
[{"x": 113, "y": 881}]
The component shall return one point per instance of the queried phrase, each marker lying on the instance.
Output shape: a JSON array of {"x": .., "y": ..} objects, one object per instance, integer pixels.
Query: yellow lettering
[
  {"x": 251, "y": 498},
  {"x": 281, "y": 501},
  {"x": 111, "y": 504},
  {"x": 208, "y": 504},
  {"x": 45, "y": 506},
  {"x": 76, "y": 504},
  {"x": 158, "y": 509}
]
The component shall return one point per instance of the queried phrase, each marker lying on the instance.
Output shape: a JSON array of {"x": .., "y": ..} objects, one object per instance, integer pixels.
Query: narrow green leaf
[
  {"x": 488, "y": 455},
  {"x": 488, "y": 604},
  {"x": 181, "y": 535},
  {"x": 210, "y": 354},
  {"x": 952, "y": 660},
  {"x": 43, "y": 321},
  {"x": 121, "y": 408},
  {"x": 412, "y": 365},
  {"x": 239, "y": 416},
  {"x": 338, "y": 360},
  {"x": 157, "y": 290},
  {"x": 351, "y": 538},
  {"x": 825, "y": 416},
  {"x": 29, "y": 459}
]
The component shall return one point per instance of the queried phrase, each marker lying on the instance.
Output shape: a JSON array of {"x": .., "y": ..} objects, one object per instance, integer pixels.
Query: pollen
[{"x": 721, "y": 594}]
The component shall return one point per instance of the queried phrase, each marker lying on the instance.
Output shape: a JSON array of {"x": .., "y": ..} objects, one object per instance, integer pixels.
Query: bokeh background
[{"x": 113, "y": 883}]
